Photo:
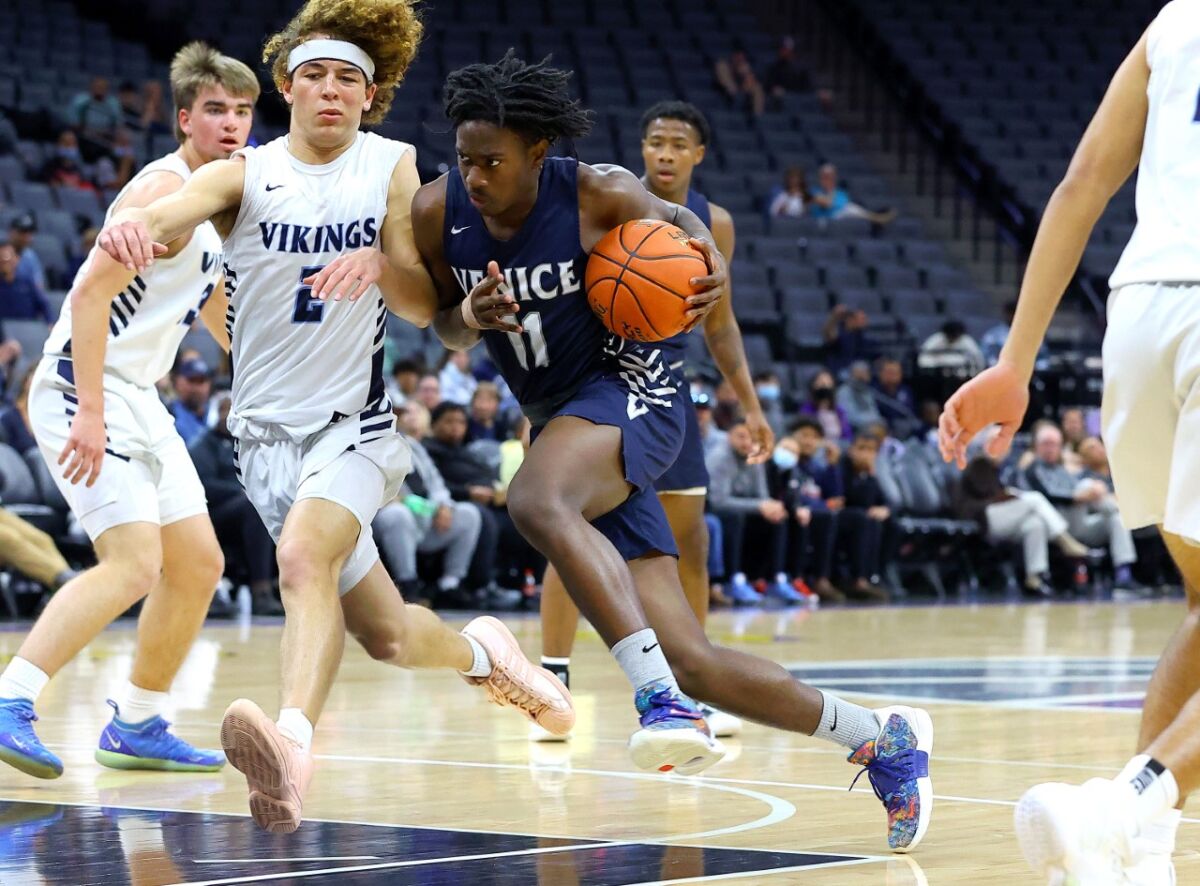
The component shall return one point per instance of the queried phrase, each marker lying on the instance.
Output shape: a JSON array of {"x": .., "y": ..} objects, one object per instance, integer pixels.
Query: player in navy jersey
[
  {"x": 510, "y": 229},
  {"x": 675, "y": 136}
]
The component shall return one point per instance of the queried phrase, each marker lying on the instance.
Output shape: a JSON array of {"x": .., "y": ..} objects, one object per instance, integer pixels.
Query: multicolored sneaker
[
  {"x": 150, "y": 745},
  {"x": 19, "y": 745},
  {"x": 897, "y": 765},
  {"x": 674, "y": 735}
]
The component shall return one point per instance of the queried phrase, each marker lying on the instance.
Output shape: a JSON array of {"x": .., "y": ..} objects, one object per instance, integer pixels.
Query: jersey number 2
[
  {"x": 537, "y": 342},
  {"x": 308, "y": 309}
]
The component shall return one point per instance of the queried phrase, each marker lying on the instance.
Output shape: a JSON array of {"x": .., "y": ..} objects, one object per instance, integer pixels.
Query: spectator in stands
[
  {"x": 895, "y": 399},
  {"x": 1009, "y": 515},
  {"x": 424, "y": 517},
  {"x": 14, "y": 420},
  {"x": 472, "y": 479},
  {"x": 812, "y": 526},
  {"x": 113, "y": 170},
  {"x": 856, "y": 397},
  {"x": 770, "y": 395},
  {"x": 192, "y": 383},
  {"x": 29, "y": 264},
  {"x": 951, "y": 347},
  {"x": 790, "y": 200},
  {"x": 738, "y": 81},
  {"x": 65, "y": 169},
  {"x": 822, "y": 406},
  {"x": 739, "y": 496},
  {"x": 486, "y": 422},
  {"x": 710, "y": 435},
  {"x": 822, "y": 477},
  {"x": 1094, "y": 457},
  {"x": 8, "y": 135},
  {"x": 831, "y": 201},
  {"x": 96, "y": 114},
  {"x": 429, "y": 391},
  {"x": 155, "y": 114},
  {"x": 32, "y": 552},
  {"x": 1074, "y": 431},
  {"x": 728, "y": 409},
  {"x": 457, "y": 382},
  {"x": 414, "y": 420},
  {"x": 20, "y": 298},
  {"x": 237, "y": 524},
  {"x": 864, "y": 494},
  {"x": 1088, "y": 504},
  {"x": 845, "y": 335},
  {"x": 76, "y": 254},
  {"x": 406, "y": 375},
  {"x": 785, "y": 74},
  {"x": 130, "y": 101}
]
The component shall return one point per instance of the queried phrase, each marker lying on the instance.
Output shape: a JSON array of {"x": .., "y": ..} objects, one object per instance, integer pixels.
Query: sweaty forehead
[{"x": 666, "y": 127}]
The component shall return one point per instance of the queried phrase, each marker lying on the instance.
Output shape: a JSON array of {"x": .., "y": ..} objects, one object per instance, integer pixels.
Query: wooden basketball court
[{"x": 420, "y": 781}]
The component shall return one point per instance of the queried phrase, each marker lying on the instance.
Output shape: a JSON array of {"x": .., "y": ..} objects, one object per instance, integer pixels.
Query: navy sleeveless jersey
[
  {"x": 673, "y": 348},
  {"x": 563, "y": 344}
]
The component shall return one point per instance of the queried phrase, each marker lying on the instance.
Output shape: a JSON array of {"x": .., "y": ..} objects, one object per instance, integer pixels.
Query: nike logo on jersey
[
  {"x": 271, "y": 188},
  {"x": 457, "y": 231}
]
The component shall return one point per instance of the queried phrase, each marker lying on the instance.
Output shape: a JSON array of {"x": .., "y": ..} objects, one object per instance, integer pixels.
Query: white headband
[{"x": 338, "y": 50}]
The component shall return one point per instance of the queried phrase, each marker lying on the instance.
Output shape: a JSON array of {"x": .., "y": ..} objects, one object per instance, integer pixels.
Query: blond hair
[
  {"x": 389, "y": 31},
  {"x": 198, "y": 66}
]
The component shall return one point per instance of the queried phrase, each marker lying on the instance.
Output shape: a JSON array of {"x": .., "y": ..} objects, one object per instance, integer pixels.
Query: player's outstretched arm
[
  {"x": 395, "y": 266},
  {"x": 612, "y": 196},
  {"x": 1106, "y": 157},
  {"x": 724, "y": 339},
  {"x": 135, "y": 235}
]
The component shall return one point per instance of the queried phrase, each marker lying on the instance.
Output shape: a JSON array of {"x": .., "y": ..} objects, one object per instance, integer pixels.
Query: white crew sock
[
  {"x": 1152, "y": 790},
  {"x": 641, "y": 658},
  {"x": 481, "y": 665},
  {"x": 1159, "y": 833},
  {"x": 845, "y": 723},
  {"x": 23, "y": 679},
  {"x": 293, "y": 724},
  {"x": 136, "y": 705}
]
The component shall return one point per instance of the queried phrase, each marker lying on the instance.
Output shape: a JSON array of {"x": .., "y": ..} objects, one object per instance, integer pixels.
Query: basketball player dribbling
[
  {"x": 1122, "y": 830},
  {"x": 675, "y": 136},
  {"x": 317, "y": 446},
  {"x": 115, "y": 454},
  {"x": 511, "y": 229}
]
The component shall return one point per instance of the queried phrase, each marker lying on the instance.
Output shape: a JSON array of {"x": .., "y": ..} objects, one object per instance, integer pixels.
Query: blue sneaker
[
  {"x": 897, "y": 765},
  {"x": 19, "y": 745},
  {"x": 785, "y": 593},
  {"x": 741, "y": 593},
  {"x": 150, "y": 745},
  {"x": 674, "y": 734}
]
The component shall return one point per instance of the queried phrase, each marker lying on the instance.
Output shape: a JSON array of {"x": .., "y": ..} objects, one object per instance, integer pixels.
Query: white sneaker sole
[
  {"x": 922, "y": 725},
  {"x": 684, "y": 751}
]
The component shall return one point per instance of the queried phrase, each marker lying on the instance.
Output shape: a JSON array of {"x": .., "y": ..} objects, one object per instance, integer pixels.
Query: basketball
[{"x": 638, "y": 279}]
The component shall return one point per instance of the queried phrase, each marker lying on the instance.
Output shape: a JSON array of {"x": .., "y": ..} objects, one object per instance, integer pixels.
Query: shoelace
[
  {"x": 159, "y": 730},
  {"x": 665, "y": 705},
  {"x": 887, "y": 774},
  {"x": 503, "y": 687}
]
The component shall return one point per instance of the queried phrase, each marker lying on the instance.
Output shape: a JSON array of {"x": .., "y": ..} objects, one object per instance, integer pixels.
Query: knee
[
  {"x": 386, "y": 644},
  {"x": 534, "y": 510},
  {"x": 206, "y": 563},
  {"x": 141, "y": 570},
  {"x": 299, "y": 565}
]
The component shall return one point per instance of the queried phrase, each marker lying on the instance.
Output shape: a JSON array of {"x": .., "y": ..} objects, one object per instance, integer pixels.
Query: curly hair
[
  {"x": 531, "y": 99},
  {"x": 389, "y": 31}
]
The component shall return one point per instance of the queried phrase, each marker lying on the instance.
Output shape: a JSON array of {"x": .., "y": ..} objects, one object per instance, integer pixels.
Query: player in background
[
  {"x": 675, "y": 136},
  {"x": 93, "y": 396},
  {"x": 506, "y": 236},
  {"x": 319, "y": 244},
  {"x": 1122, "y": 830}
]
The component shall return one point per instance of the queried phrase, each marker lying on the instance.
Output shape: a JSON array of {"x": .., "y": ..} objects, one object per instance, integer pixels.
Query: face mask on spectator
[
  {"x": 822, "y": 393},
  {"x": 767, "y": 392},
  {"x": 784, "y": 459},
  {"x": 71, "y": 154}
]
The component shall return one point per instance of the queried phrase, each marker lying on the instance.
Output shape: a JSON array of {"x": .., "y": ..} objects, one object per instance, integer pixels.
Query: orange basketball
[{"x": 638, "y": 279}]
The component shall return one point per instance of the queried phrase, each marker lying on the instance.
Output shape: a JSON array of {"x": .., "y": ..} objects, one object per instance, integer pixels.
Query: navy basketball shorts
[
  {"x": 688, "y": 475},
  {"x": 652, "y": 429}
]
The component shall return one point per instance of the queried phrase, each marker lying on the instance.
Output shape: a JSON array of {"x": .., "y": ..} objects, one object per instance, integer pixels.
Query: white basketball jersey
[
  {"x": 1165, "y": 246},
  {"x": 299, "y": 363},
  {"x": 149, "y": 319}
]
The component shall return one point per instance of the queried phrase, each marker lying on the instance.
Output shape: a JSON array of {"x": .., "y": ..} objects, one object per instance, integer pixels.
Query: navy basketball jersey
[
  {"x": 563, "y": 343},
  {"x": 673, "y": 348}
]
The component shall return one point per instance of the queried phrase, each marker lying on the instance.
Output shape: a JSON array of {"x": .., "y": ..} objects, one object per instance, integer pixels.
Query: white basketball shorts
[
  {"x": 1151, "y": 411},
  {"x": 147, "y": 475},
  {"x": 358, "y": 462}
]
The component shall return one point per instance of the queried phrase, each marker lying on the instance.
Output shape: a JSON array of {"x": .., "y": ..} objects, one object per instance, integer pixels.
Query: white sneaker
[
  {"x": 1155, "y": 869},
  {"x": 542, "y": 736},
  {"x": 721, "y": 724},
  {"x": 1076, "y": 835}
]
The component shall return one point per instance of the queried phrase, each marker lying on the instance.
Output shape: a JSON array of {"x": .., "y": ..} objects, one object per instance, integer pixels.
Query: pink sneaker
[
  {"x": 517, "y": 682},
  {"x": 277, "y": 769}
]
